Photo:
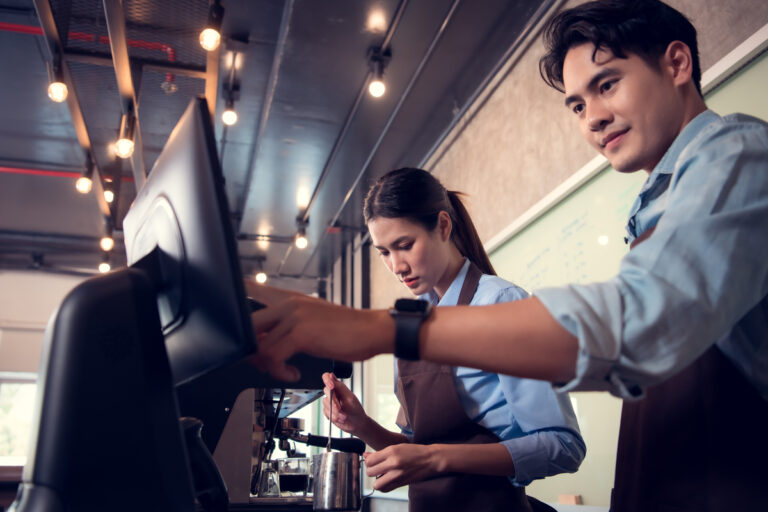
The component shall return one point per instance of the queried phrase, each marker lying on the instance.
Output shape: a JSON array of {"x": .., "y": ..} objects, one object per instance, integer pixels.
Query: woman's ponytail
[{"x": 465, "y": 235}]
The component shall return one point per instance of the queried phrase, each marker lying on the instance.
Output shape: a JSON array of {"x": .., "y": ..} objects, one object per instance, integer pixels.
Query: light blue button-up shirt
[
  {"x": 535, "y": 424},
  {"x": 700, "y": 279}
]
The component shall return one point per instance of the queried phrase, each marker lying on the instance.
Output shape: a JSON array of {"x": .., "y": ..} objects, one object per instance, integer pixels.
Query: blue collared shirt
[
  {"x": 700, "y": 279},
  {"x": 535, "y": 424}
]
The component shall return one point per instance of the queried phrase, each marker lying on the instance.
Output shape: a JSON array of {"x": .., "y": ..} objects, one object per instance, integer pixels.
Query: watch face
[{"x": 411, "y": 305}]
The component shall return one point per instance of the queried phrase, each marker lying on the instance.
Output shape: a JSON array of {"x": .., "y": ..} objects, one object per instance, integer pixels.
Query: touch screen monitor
[{"x": 179, "y": 230}]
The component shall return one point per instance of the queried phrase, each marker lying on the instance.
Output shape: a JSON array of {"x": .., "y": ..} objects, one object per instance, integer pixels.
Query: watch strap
[{"x": 407, "y": 327}]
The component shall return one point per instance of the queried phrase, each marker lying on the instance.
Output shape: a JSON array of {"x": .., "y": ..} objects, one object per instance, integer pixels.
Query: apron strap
[
  {"x": 643, "y": 237},
  {"x": 468, "y": 289}
]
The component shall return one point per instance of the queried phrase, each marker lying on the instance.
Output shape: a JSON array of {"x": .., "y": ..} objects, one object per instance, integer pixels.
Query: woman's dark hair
[
  {"x": 418, "y": 196},
  {"x": 642, "y": 27}
]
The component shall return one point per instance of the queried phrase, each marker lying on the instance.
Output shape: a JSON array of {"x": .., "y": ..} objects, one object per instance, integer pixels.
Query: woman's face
[{"x": 419, "y": 258}]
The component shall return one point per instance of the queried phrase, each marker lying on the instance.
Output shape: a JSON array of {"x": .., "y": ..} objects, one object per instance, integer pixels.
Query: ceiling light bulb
[
  {"x": 377, "y": 88},
  {"x": 301, "y": 241},
  {"x": 229, "y": 116},
  {"x": 107, "y": 243},
  {"x": 302, "y": 196},
  {"x": 377, "y": 21},
  {"x": 83, "y": 184},
  {"x": 109, "y": 196},
  {"x": 124, "y": 148},
  {"x": 57, "y": 91},
  {"x": 261, "y": 277},
  {"x": 210, "y": 39},
  {"x": 104, "y": 267}
]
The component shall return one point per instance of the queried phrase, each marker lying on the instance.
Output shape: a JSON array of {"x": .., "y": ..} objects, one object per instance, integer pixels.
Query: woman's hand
[
  {"x": 298, "y": 323},
  {"x": 402, "y": 464},
  {"x": 348, "y": 413}
]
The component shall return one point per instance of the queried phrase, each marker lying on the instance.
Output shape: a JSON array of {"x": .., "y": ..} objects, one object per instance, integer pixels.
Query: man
[{"x": 684, "y": 325}]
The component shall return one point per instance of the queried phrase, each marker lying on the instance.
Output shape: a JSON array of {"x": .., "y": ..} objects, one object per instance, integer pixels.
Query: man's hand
[
  {"x": 268, "y": 295},
  {"x": 402, "y": 464},
  {"x": 293, "y": 323}
]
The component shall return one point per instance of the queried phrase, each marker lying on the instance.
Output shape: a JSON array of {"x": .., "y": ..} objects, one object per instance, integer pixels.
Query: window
[{"x": 17, "y": 401}]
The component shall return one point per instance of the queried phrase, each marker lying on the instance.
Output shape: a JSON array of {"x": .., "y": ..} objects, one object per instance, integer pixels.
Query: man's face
[{"x": 629, "y": 111}]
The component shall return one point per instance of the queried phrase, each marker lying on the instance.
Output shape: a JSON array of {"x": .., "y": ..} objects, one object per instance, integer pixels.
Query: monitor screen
[{"x": 182, "y": 211}]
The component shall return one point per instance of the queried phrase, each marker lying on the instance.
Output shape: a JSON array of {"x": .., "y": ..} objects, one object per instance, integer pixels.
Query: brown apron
[
  {"x": 431, "y": 407},
  {"x": 696, "y": 442}
]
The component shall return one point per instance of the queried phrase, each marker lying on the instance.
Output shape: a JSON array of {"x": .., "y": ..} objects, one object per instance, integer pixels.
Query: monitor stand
[{"x": 106, "y": 432}]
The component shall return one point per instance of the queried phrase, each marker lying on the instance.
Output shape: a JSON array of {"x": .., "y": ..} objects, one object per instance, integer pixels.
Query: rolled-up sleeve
[
  {"x": 547, "y": 440},
  {"x": 682, "y": 290}
]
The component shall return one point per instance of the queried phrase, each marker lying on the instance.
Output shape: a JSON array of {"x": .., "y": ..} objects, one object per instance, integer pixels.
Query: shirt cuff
[
  {"x": 581, "y": 310},
  {"x": 544, "y": 453},
  {"x": 528, "y": 458}
]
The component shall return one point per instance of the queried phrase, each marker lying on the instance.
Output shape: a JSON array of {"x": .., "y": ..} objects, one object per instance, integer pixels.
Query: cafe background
[{"x": 547, "y": 209}]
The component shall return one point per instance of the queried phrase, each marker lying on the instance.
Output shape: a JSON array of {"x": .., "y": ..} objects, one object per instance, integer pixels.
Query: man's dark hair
[{"x": 642, "y": 27}]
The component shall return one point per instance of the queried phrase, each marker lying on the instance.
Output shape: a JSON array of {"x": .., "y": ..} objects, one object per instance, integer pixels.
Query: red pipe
[
  {"x": 46, "y": 172},
  {"x": 40, "y": 172},
  {"x": 21, "y": 29},
  {"x": 82, "y": 36}
]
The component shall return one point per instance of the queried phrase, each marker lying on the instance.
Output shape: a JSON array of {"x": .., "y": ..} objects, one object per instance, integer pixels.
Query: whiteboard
[{"x": 578, "y": 238}]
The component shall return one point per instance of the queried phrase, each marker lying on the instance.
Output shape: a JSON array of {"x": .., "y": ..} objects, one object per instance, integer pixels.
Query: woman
[{"x": 476, "y": 438}]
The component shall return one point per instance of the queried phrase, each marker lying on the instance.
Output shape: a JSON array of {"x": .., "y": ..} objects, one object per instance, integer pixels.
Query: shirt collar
[
  {"x": 667, "y": 163},
  {"x": 451, "y": 297}
]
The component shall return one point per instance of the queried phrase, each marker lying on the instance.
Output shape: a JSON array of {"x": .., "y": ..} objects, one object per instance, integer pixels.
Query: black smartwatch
[{"x": 409, "y": 315}]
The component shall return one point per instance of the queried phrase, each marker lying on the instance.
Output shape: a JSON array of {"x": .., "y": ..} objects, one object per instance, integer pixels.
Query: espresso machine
[
  {"x": 287, "y": 480},
  {"x": 246, "y": 415}
]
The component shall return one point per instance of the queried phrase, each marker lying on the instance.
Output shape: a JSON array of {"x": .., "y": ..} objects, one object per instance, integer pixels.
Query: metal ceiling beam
[
  {"x": 395, "y": 111},
  {"x": 113, "y": 11},
  {"x": 278, "y": 239},
  {"x": 55, "y": 47},
  {"x": 212, "y": 80},
  {"x": 158, "y": 66},
  {"x": 49, "y": 269},
  {"x": 13, "y": 241},
  {"x": 269, "y": 95}
]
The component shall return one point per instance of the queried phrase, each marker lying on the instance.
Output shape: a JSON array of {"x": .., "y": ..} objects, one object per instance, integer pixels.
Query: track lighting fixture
[
  {"x": 301, "y": 239},
  {"x": 57, "y": 89},
  {"x": 210, "y": 37},
  {"x": 229, "y": 116},
  {"x": 105, "y": 265},
  {"x": 107, "y": 242},
  {"x": 261, "y": 276},
  {"x": 85, "y": 182},
  {"x": 377, "y": 61},
  {"x": 124, "y": 144},
  {"x": 377, "y": 87},
  {"x": 230, "y": 92}
]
